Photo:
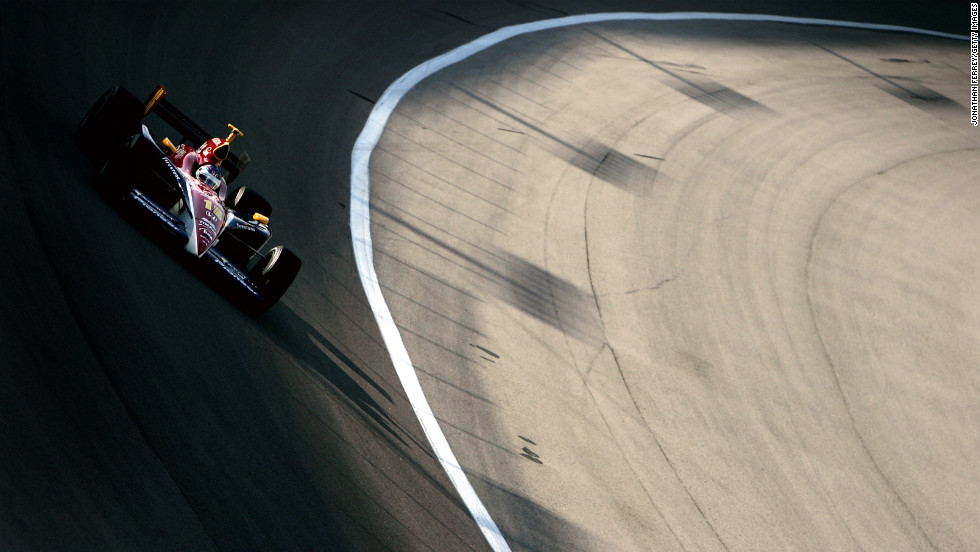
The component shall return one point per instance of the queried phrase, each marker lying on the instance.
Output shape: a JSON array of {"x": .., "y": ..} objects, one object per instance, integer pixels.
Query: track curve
[
  {"x": 621, "y": 224},
  {"x": 138, "y": 409}
]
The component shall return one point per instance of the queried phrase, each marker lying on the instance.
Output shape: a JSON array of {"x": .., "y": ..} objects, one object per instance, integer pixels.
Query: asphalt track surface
[{"x": 726, "y": 301}]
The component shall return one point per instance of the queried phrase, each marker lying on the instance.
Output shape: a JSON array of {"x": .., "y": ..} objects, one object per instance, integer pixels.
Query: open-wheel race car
[{"x": 184, "y": 190}]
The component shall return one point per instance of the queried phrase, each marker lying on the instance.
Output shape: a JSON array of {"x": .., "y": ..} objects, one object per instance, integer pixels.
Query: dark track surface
[{"x": 139, "y": 409}]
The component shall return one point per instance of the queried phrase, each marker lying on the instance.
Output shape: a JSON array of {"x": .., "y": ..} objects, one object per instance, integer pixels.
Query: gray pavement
[{"x": 697, "y": 285}]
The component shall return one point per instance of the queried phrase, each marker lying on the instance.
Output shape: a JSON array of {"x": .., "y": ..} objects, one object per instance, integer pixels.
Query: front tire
[{"x": 274, "y": 273}]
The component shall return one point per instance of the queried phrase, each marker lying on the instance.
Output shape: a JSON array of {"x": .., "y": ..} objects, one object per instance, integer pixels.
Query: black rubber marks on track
[{"x": 528, "y": 453}]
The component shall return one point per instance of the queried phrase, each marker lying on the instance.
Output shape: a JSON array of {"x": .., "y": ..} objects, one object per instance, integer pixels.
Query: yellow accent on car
[
  {"x": 154, "y": 100},
  {"x": 235, "y": 133},
  {"x": 261, "y": 218}
]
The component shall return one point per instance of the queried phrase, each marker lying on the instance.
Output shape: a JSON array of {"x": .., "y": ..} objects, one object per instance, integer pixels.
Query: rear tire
[
  {"x": 113, "y": 117},
  {"x": 247, "y": 202},
  {"x": 112, "y": 176},
  {"x": 127, "y": 166}
]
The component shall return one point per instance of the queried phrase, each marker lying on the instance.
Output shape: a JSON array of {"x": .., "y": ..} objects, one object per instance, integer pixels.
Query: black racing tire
[
  {"x": 112, "y": 118},
  {"x": 127, "y": 166},
  {"x": 113, "y": 175},
  {"x": 274, "y": 273},
  {"x": 248, "y": 202},
  {"x": 241, "y": 246}
]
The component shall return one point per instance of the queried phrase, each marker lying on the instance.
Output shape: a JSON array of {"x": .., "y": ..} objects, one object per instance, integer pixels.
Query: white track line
[{"x": 360, "y": 212}]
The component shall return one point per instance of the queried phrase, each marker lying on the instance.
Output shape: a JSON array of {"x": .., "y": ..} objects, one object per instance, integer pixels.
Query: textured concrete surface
[{"x": 697, "y": 285}]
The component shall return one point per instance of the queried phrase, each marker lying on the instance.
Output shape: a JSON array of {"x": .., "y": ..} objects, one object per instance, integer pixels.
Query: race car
[{"x": 183, "y": 190}]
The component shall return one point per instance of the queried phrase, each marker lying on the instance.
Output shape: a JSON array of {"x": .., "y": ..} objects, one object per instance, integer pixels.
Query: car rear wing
[{"x": 190, "y": 131}]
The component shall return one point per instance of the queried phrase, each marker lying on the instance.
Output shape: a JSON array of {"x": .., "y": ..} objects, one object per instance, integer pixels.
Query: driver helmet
[{"x": 210, "y": 176}]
